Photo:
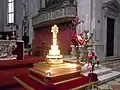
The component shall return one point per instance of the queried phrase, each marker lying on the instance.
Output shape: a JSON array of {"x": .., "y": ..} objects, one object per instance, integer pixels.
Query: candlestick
[
  {"x": 7, "y": 37},
  {"x": 54, "y": 52}
]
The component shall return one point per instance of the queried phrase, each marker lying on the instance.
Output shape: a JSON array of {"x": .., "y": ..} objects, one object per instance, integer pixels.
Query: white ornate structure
[{"x": 6, "y": 48}]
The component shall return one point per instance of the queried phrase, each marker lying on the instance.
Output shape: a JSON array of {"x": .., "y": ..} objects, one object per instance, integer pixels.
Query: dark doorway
[{"x": 110, "y": 37}]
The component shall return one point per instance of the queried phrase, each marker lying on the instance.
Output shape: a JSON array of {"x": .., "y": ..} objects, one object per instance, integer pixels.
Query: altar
[
  {"x": 54, "y": 73},
  {"x": 11, "y": 50}
]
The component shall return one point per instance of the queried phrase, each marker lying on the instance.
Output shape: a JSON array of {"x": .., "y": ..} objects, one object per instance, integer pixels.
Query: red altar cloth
[{"x": 64, "y": 86}]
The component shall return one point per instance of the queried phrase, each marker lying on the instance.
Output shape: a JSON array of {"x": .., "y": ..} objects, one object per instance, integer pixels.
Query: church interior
[{"x": 59, "y": 44}]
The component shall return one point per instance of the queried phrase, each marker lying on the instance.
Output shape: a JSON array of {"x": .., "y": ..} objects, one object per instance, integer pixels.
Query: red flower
[
  {"x": 98, "y": 62},
  {"x": 95, "y": 57},
  {"x": 93, "y": 54},
  {"x": 90, "y": 57}
]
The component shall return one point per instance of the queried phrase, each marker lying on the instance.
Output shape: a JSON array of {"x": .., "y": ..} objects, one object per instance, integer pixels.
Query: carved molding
[
  {"x": 111, "y": 8},
  {"x": 112, "y": 5},
  {"x": 6, "y": 48},
  {"x": 67, "y": 11}
]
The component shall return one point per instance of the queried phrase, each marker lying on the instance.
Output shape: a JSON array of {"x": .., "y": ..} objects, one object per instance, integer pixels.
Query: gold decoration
[{"x": 54, "y": 52}]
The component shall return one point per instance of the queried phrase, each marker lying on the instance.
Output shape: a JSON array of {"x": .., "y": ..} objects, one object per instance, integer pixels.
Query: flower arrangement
[
  {"x": 78, "y": 39},
  {"x": 91, "y": 62}
]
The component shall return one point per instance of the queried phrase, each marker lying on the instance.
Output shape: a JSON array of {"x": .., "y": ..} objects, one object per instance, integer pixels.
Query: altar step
[
  {"x": 108, "y": 77},
  {"x": 105, "y": 74}
]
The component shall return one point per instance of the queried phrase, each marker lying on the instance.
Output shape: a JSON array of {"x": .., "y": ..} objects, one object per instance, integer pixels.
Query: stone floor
[
  {"x": 115, "y": 65},
  {"x": 113, "y": 84}
]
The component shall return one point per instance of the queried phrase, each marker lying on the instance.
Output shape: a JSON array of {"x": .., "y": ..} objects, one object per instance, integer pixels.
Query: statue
[{"x": 7, "y": 37}]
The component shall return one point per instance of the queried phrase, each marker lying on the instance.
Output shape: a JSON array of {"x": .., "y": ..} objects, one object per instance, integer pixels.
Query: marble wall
[
  {"x": 95, "y": 16},
  {"x": 83, "y": 12},
  {"x": 33, "y": 7},
  {"x": 2, "y": 15}
]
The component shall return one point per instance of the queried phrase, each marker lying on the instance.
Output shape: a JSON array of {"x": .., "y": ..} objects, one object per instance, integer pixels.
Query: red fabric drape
[
  {"x": 64, "y": 37},
  {"x": 43, "y": 34}
]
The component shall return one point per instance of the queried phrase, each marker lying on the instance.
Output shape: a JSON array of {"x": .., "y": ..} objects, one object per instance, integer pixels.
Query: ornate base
[
  {"x": 12, "y": 57},
  {"x": 54, "y": 61},
  {"x": 58, "y": 72}
]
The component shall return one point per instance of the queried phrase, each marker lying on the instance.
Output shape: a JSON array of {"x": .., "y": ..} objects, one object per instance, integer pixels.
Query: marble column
[{"x": 42, "y": 3}]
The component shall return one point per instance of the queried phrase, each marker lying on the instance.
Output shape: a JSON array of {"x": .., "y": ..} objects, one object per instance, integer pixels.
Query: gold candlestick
[{"x": 54, "y": 55}]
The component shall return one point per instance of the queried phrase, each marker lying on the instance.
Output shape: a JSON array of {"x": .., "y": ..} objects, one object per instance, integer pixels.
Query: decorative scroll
[
  {"x": 6, "y": 48},
  {"x": 51, "y": 2},
  {"x": 55, "y": 3}
]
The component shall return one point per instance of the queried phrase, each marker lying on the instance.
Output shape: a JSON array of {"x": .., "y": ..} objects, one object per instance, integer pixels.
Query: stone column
[
  {"x": 100, "y": 31},
  {"x": 119, "y": 35},
  {"x": 42, "y": 5}
]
